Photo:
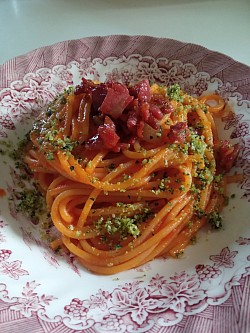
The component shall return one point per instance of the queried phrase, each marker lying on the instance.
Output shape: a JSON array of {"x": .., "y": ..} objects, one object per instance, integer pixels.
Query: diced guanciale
[
  {"x": 107, "y": 133},
  {"x": 178, "y": 133},
  {"x": 116, "y": 100},
  {"x": 226, "y": 156},
  {"x": 120, "y": 113}
]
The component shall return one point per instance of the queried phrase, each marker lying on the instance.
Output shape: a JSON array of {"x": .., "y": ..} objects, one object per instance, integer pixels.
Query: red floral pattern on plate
[
  {"x": 225, "y": 258},
  {"x": 243, "y": 241},
  {"x": 159, "y": 299},
  {"x": 12, "y": 269},
  {"x": 134, "y": 304}
]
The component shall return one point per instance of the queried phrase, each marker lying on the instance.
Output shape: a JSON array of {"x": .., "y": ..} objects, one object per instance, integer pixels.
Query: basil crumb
[
  {"x": 197, "y": 143},
  {"x": 72, "y": 167},
  {"x": 182, "y": 188},
  {"x": 199, "y": 212},
  {"x": 161, "y": 186},
  {"x": 63, "y": 100},
  {"x": 158, "y": 134},
  {"x": 89, "y": 164},
  {"x": 174, "y": 92},
  {"x": 171, "y": 190},
  {"x": 215, "y": 220},
  {"x": 31, "y": 202},
  {"x": 17, "y": 154},
  {"x": 179, "y": 254},
  {"x": 123, "y": 225},
  {"x": 111, "y": 167},
  {"x": 49, "y": 112},
  {"x": 50, "y": 156},
  {"x": 194, "y": 189}
]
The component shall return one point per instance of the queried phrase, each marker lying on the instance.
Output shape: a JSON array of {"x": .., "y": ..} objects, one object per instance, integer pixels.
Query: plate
[{"x": 207, "y": 290}]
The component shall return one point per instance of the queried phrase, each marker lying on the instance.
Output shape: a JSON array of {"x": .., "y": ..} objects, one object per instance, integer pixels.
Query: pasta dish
[{"x": 129, "y": 172}]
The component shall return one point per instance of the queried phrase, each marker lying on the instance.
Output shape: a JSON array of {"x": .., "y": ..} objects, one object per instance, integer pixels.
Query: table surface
[{"x": 221, "y": 25}]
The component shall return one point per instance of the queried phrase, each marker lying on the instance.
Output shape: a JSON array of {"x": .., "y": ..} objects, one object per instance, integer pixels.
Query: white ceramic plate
[{"x": 207, "y": 290}]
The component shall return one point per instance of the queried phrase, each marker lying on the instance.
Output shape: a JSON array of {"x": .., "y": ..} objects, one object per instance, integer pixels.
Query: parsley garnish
[
  {"x": 174, "y": 92},
  {"x": 31, "y": 202},
  {"x": 197, "y": 143},
  {"x": 123, "y": 225},
  {"x": 215, "y": 220}
]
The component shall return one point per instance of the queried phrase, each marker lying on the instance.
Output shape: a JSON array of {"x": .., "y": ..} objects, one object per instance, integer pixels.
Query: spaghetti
[{"x": 130, "y": 173}]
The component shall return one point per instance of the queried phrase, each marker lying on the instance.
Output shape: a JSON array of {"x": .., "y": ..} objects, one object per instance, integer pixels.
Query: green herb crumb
[
  {"x": 174, "y": 92},
  {"x": 215, "y": 220}
]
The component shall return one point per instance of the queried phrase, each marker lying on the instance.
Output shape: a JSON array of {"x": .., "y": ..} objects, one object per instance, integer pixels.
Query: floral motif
[
  {"x": 14, "y": 102},
  {"x": 3, "y": 224},
  {"x": 201, "y": 85},
  {"x": 25, "y": 99},
  {"x": 6, "y": 122},
  {"x": 138, "y": 304},
  {"x": 130, "y": 288},
  {"x": 127, "y": 76},
  {"x": 232, "y": 120},
  {"x": 243, "y": 241},
  {"x": 87, "y": 68},
  {"x": 30, "y": 301},
  {"x": 12, "y": 269},
  {"x": 157, "y": 282},
  {"x": 241, "y": 130},
  {"x": 227, "y": 90},
  {"x": 63, "y": 74},
  {"x": 99, "y": 300},
  {"x": 51, "y": 258},
  {"x": 183, "y": 290},
  {"x": 245, "y": 148},
  {"x": 5, "y": 254},
  {"x": 152, "y": 72},
  {"x": 113, "y": 76},
  {"x": 111, "y": 324},
  {"x": 207, "y": 272},
  {"x": 224, "y": 258},
  {"x": 188, "y": 70},
  {"x": 72, "y": 261},
  {"x": 40, "y": 92},
  {"x": 76, "y": 309}
]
